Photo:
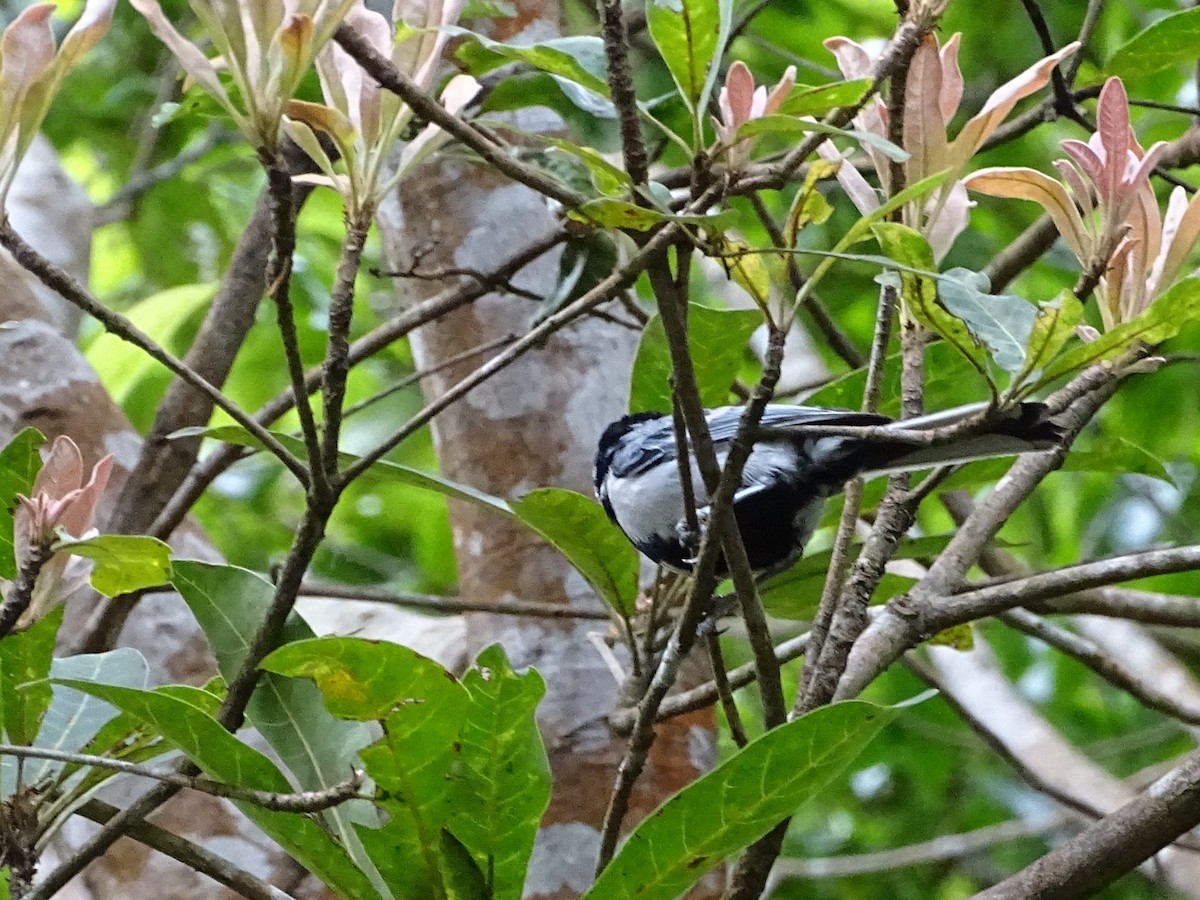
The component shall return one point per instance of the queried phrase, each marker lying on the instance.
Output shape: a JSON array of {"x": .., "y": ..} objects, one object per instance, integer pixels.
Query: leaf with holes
[
  {"x": 503, "y": 783},
  {"x": 422, "y": 709}
]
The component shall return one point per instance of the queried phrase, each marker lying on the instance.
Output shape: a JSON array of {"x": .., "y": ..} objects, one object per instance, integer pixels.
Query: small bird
[{"x": 789, "y": 473}]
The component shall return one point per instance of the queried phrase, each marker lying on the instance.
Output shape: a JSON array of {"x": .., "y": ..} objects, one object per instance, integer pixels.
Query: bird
[{"x": 790, "y": 473}]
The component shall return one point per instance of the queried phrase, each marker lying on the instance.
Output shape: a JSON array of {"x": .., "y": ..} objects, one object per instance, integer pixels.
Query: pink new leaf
[
  {"x": 1029, "y": 184},
  {"x": 1000, "y": 104}
]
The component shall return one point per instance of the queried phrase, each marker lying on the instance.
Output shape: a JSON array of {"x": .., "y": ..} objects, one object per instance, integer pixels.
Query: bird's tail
[{"x": 1022, "y": 429}]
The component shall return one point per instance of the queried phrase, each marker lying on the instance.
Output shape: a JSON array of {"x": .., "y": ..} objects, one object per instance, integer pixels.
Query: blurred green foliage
[{"x": 924, "y": 776}]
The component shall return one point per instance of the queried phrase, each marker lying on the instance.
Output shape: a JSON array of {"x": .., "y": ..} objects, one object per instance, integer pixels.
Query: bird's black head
[{"x": 611, "y": 439}]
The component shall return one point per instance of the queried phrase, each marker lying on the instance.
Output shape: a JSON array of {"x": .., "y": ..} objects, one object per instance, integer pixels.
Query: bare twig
[
  {"x": 1107, "y": 667},
  {"x": 1107, "y": 849},
  {"x": 279, "y": 278},
  {"x": 530, "y": 608},
  {"x": 190, "y": 854},
  {"x": 942, "y": 848},
  {"x": 73, "y": 292},
  {"x": 426, "y": 108},
  {"x": 298, "y": 802}
]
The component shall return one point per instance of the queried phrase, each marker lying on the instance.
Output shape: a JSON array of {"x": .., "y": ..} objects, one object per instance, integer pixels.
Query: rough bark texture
[{"x": 533, "y": 426}]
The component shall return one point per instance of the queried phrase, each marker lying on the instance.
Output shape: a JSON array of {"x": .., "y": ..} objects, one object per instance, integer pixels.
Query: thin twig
[
  {"x": 943, "y": 848},
  {"x": 1108, "y": 668},
  {"x": 190, "y": 854},
  {"x": 279, "y": 277},
  {"x": 602, "y": 292},
  {"x": 297, "y": 802},
  {"x": 73, "y": 292},
  {"x": 427, "y": 109},
  {"x": 452, "y": 605},
  {"x": 336, "y": 367},
  {"x": 737, "y": 731},
  {"x": 379, "y": 338}
]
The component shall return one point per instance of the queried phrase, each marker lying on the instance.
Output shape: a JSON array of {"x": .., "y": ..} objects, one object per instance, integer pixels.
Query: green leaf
[
  {"x": 19, "y": 465},
  {"x": 124, "y": 562},
  {"x": 717, "y": 339},
  {"x": 366, "y": 680},
  {"x": 578, "y": 527},
  {"x": 422, "y": 708},
  {"x": 230, "y": 604},
  {"x": 503, "y": 783},
  {"x": 795, "y": 593},
  {"x": 808, "y": 205},
  {"x": 1166, "y": 315},
  {"x": 690, "y": 35},
  {"x": 807, "y": 100},
  {"x": 608, "y": 212},
  {"x": 1170, "y": 41},
  {"x": 74, "y": 719},
  {"x": 579, "y": 59},
  {"x": 608, "y": 179},
  {"x": 957, "y": 637},
  {"x": 464, "y": 878},
  {"x": 1001, "y": 322},
  {"x": 124, "y": 368},
  {"x": 221, "y": 755},
  {"x": 1117, "y": 455},
  {"x": 782, "y": 124},
  {"x": 919, "y": 293},
  {"x": 949, "y": 383},
  {"x": 236, "y": 434},
  {"x": 1053, "y": 326},
  {"x": 738, "y": 802},
  {"x": 25, "y": 658}
]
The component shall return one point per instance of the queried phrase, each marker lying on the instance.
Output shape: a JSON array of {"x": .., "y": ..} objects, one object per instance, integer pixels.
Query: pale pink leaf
[
  {"x": 952, "y": 220},
  {"x": 62, "y": 470},
  {"x": 26, "y": 49},
  {"x": 780, "y": 92},
  {"x": 194, "y": 62},
  {"x": 79, "y": 513},
  {"x": 91, "y": 26},
  {"x": 1147, "y": 163},
  {"x": 737, "y": 97},
  {"x": 1112, "y": 128},
  {"x": 1079, "y": 189},
  {"x": 852, "y": 59},
  {"x": 1088, "y": 160},
  {"x": 857, "y": 188},
  {"x": 1184, "y": 230},
  {"x": 952, "y": 80},
  {"x": 1030, "y": 184},
  {"x": 924, "y": 133},
  {"x": 1000, "y": 104}
]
